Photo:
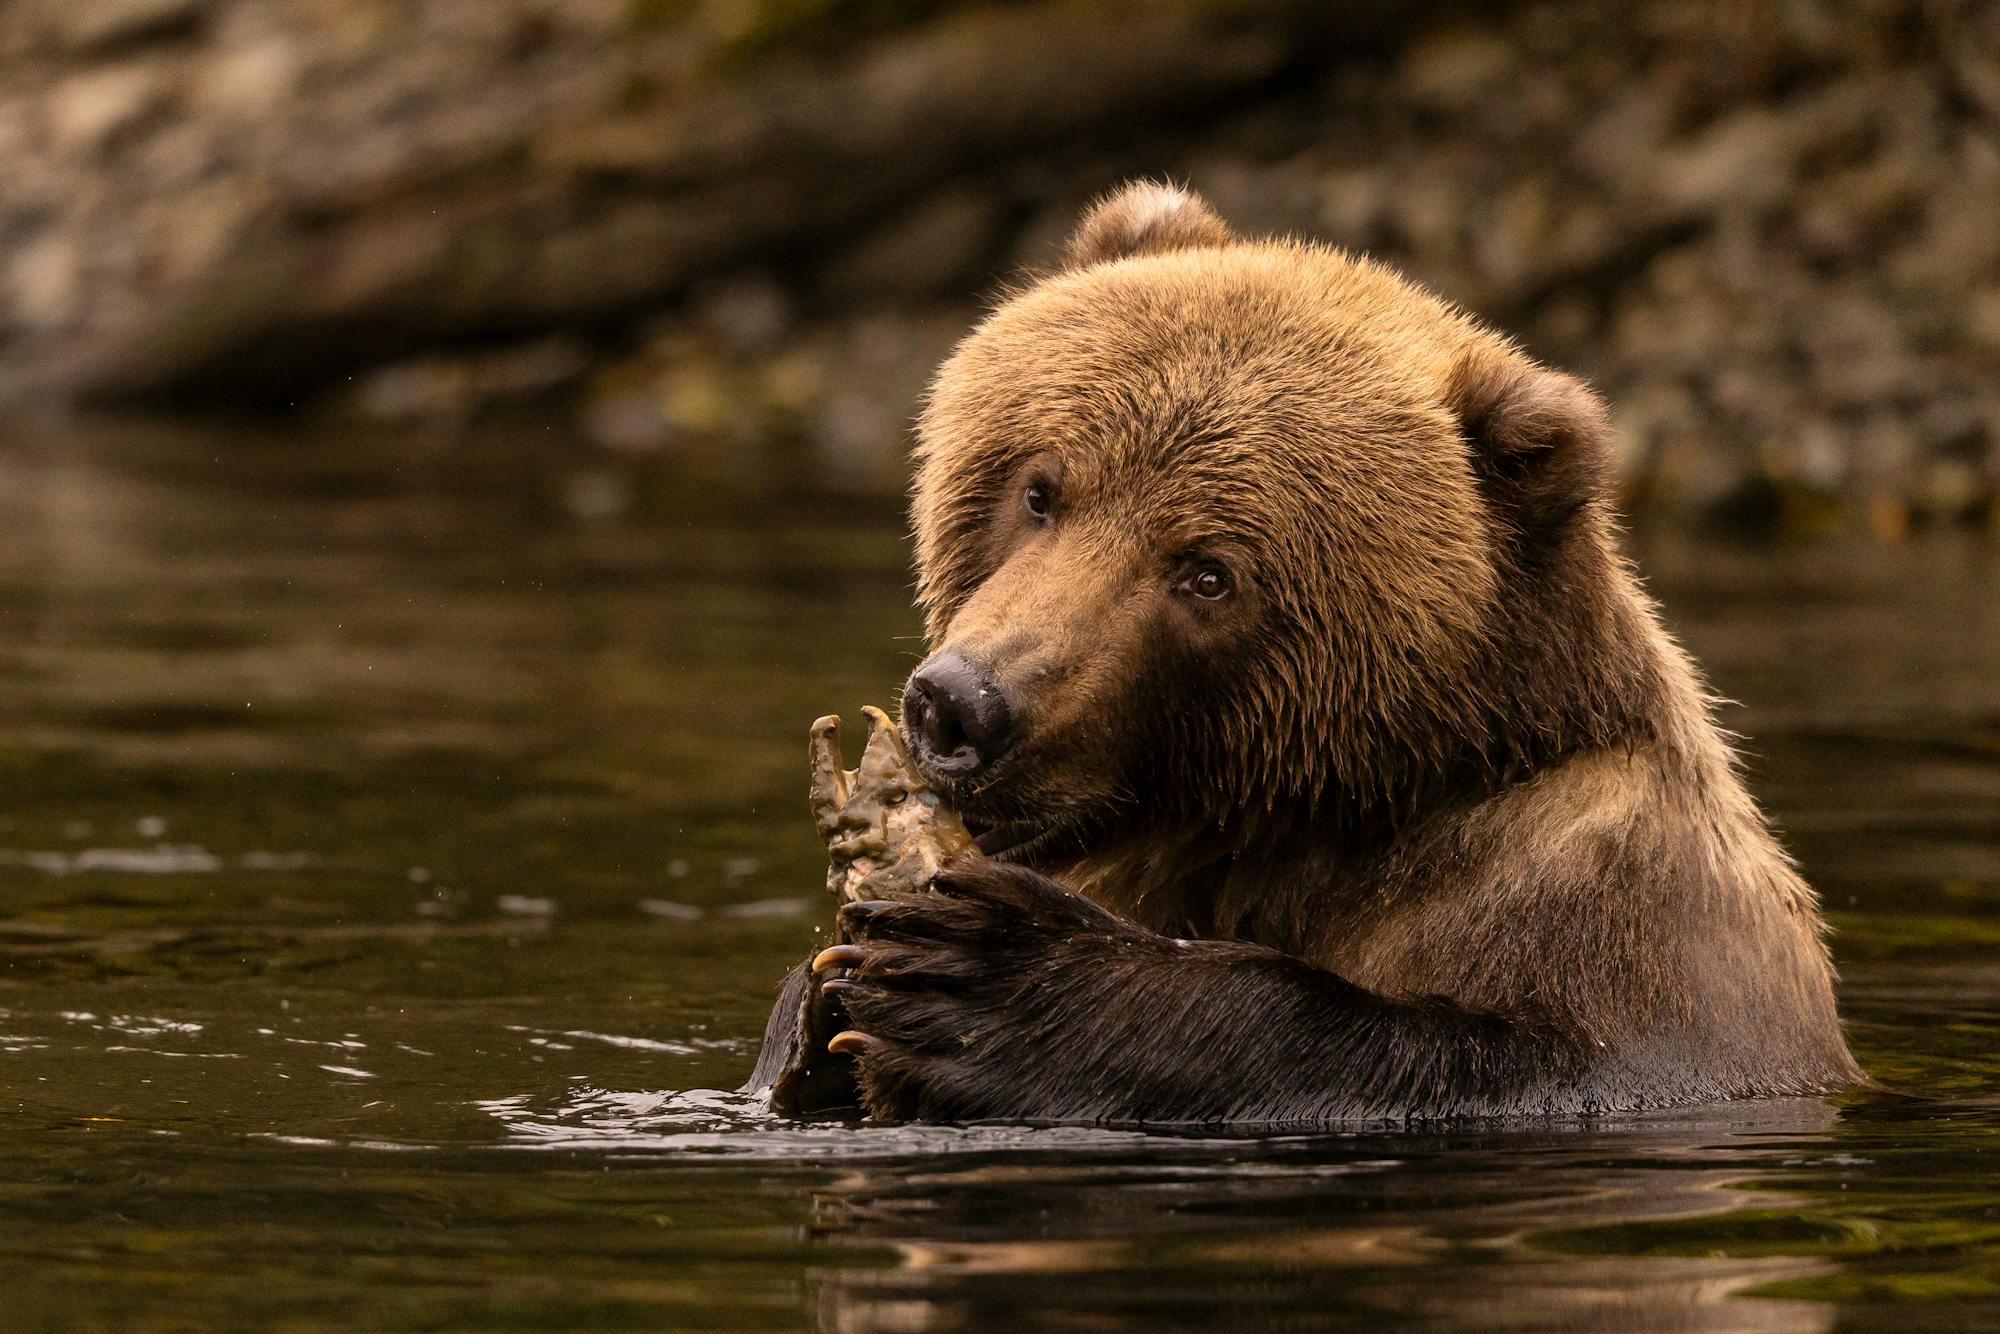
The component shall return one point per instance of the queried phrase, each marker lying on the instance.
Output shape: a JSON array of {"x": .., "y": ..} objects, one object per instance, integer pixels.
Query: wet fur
[{"x": 1431, "y": 819}]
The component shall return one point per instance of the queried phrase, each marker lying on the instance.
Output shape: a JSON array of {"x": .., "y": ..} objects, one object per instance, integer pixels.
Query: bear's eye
[
  {"x": 1037, "y": 499},
  {"x": 1210, "y": 582}
]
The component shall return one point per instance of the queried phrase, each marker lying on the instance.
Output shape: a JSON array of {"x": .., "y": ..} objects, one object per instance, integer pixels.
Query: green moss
[
  {"x": 1850, "y": 1288},
  {"x": 1909, "y": 1233},
  {"x": 1881, "y": 935}
]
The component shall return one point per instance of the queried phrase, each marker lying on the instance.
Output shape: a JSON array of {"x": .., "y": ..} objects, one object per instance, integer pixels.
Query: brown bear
[{"x": 1329, "y": 760}]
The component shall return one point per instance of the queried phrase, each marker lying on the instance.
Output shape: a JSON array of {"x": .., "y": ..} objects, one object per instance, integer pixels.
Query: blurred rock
[
  {"x": 936, "y": 247},
  {"x": 88, "y": 112},
  {"x": 44, "y": 283},
  {"x": 407, "y": 174},
  {"x": 1455, "y": 69},
  {"x": 92, "y": 27},
  {"x": 462, "y": 386},
  {"x": 1765, "y": 231},
  {"x": 749, "y": 313},
  {"x": 626, "y": 421}
]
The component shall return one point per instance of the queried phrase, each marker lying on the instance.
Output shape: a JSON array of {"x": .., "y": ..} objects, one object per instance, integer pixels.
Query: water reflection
[{"x": 1316, "y": 1233}]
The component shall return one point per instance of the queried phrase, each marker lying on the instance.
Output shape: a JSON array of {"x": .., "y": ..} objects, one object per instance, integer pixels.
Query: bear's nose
[{"x": 956, "y": 716}]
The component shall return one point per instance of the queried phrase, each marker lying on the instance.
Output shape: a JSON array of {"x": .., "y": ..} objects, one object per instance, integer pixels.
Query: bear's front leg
[
  {"x": 1002, "y": 995},
  {"x": 794, "y": 1068}
]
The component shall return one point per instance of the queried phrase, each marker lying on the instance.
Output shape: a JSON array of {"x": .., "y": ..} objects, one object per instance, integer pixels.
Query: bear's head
[{"x": 1213, "y": 532}]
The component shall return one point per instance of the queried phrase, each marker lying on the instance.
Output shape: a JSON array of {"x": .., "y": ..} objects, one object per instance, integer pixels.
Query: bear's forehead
[
  {"x": 1278, "y": 338},
  {"x": 1184, "y": 368},
  {"x": 1248, "y": 311}
]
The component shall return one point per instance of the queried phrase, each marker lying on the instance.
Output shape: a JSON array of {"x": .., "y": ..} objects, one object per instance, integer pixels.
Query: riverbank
[{"x": 698, "y": 227}]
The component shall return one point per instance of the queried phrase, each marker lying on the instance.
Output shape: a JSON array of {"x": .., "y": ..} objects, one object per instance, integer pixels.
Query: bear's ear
[
  {"x": 1143, "y": 218},
  {"x": 1540, "y": 439}
]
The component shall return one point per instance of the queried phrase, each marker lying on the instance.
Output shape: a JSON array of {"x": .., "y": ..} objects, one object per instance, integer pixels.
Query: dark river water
[{"x": 402, "y": 840}]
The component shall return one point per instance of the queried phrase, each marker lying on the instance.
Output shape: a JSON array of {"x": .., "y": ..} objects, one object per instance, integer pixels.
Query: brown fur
[
  {"x": 1434, "y": 748},
  {"x": 1143, "y": 218}
]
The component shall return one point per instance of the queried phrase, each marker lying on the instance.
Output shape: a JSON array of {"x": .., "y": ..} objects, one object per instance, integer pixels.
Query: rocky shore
[{"x": 1767, "y": 231}]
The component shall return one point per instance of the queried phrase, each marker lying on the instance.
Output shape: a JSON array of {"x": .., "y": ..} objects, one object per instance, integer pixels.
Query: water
[{"x": 394, "y": 832}]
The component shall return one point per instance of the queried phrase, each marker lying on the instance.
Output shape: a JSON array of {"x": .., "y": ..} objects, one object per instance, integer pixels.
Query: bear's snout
[{"x": 957, "y": 717}]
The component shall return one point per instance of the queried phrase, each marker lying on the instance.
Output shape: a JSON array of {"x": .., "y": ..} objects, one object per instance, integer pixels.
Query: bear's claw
[
  {"x": 838, "y": 956},
  {"x": 849, "y": 1042}
]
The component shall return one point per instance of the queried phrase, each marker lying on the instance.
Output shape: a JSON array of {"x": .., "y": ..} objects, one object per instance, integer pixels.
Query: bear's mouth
[
  {"x": 1001, "y": 837},
  {"x": 1004, "y": 837}
]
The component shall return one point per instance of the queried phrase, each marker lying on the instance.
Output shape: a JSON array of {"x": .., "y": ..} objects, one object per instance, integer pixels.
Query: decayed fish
[{"x": 885, "y": 828}]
